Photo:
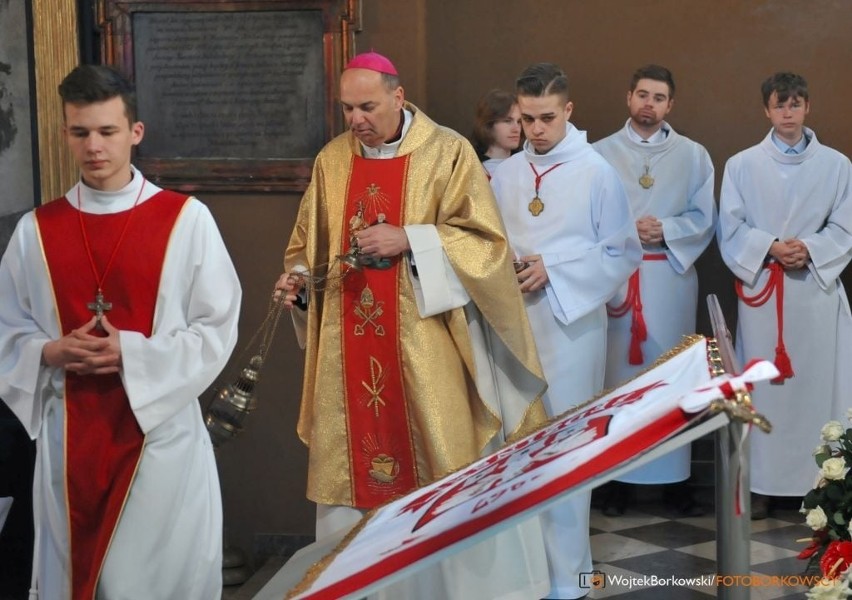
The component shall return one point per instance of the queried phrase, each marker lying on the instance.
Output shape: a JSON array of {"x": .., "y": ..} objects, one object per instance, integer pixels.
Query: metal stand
[
  {"x": 733, "y": 528},
  {"x": 733, "y": 544}
]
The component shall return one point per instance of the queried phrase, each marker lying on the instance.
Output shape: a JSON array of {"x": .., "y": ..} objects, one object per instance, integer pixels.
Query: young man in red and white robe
[{"x": 118, "y": 307}]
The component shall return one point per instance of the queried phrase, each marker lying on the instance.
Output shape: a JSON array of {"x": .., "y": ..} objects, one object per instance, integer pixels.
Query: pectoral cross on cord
[{"x": 100, "y": 306}]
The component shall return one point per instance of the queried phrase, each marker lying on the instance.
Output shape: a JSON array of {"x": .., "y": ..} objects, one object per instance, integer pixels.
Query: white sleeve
[
  {"x": 195, "y": 324},
  {"x": 830, "y": 246},
  {"x": 437, "y": 289},
  {"x": 27, "y": 323},
  {"x": 688, "y": 234},
  {"x": 583, "y": 279},
  {"x": 743, "y": 247}
]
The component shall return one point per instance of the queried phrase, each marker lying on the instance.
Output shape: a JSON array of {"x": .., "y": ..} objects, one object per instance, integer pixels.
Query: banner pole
[{"x": 733, "y": 545}]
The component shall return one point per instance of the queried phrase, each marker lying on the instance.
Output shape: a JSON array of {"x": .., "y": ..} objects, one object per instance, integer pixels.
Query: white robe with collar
[
  {"x": 682, "y": 199},
  {"x": 767, "y": 195},
  {"x": 168, "y": 542},
  {"x": 588, "y": 242}
]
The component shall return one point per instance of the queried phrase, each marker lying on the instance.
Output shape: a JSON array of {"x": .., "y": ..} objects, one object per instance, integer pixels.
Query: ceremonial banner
[{"x": 578, "y": 450}]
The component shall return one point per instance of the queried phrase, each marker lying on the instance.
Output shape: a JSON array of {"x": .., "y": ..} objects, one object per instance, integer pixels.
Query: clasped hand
[
  {"x": 792, "y": 253},
  {"x": 650, "y": 230},
  {"x": 86, "y": 354},
  {"x": 534, "y": 276}
]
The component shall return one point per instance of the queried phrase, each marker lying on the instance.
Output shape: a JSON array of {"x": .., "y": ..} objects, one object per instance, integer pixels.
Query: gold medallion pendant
[
  {"x": 536, "y": 206},
  {"x": 646, "y": 181}
]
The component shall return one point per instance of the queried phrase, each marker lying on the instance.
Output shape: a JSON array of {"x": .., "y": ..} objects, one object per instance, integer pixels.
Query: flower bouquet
[{"x": 828, "y": 510}]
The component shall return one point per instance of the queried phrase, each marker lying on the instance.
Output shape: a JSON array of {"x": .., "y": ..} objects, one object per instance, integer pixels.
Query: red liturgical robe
[{"x": 103, "y": 440}]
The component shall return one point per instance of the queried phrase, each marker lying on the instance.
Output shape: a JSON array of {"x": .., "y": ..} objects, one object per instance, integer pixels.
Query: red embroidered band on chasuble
[
  {"x": 103, "y": 442},
  {"x": 381, "y": 452}
]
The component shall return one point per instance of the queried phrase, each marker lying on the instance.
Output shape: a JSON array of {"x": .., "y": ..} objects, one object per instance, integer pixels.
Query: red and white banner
[{"x": 530, "y": 474}]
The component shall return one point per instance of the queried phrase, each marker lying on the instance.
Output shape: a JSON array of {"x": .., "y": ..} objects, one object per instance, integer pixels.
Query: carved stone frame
[{"x": 340, "y": 18}]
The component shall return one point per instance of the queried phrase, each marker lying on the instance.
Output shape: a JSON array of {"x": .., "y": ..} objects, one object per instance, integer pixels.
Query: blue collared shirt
[
  {"x": 657, "y": 137},
  {"x": 796, "y": 148}
]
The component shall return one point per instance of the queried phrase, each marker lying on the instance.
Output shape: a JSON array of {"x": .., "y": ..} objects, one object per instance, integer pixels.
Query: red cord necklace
[
  {"x": 536, "y": 205},
  {"x": 100, "y": 306}
]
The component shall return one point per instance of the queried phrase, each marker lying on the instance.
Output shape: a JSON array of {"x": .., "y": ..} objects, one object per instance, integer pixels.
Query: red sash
[
  {"x": 774, "y": 285},
  {"x": 633, "y": 300},
  {"x": 382, "y": 464},
  {"x": 103, "y": 442}
]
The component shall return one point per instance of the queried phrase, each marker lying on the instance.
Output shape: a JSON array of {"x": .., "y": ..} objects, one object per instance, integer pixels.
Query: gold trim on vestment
[{"x": 315, "y": 570}]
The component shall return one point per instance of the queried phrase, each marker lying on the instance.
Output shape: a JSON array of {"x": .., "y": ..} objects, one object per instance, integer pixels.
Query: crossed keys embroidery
[{"x": 365, "y": 311}]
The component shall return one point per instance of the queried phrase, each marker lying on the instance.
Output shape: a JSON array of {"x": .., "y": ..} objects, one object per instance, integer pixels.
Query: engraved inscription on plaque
[{"x": 245, "y": 85}]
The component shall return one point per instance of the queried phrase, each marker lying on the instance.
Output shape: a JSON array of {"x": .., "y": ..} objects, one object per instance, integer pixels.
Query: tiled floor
[{"x": 651, "y": 539}]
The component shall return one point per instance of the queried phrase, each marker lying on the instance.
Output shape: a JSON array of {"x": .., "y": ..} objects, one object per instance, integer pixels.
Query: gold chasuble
[{"x": 392, "y": 400}]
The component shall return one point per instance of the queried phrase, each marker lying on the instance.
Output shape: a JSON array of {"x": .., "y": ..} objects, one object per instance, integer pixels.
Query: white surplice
[
  {"x": 491, "y": 165},
  {"x": 587, "y": 239},
  {"x": 168, "y": 541},
  {"x": 681, "y": 198},
  {"x": 768, "y": 195}
]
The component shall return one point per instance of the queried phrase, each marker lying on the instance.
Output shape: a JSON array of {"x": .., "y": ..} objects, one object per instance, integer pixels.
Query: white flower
[
  {"x": 829, "y": 589},
  {"x": 834, "y": 468},
  {"x": 816, "y": 518},
  {"x": 831, "y": 431},
  {"x": 821, "y": 449}
]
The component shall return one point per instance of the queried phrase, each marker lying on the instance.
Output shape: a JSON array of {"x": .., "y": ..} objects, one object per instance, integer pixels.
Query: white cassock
[
  {"x": 681, "y": 198},
  {"x": 587, "y": 239},
  {"x": 168, "y": 542},
  {"x": 768, "y": 195},
  {"x": 491, "y": 165}
]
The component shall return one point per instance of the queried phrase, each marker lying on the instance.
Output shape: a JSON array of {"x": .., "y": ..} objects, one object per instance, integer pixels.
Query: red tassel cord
[
  {"x": 774, "y": 286},
  {"x": 633, "y": 301}
]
